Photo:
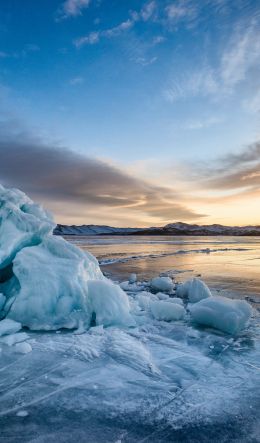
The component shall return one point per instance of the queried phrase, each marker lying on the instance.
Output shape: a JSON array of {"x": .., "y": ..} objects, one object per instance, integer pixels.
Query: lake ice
[{"x": 83, "y": 359}]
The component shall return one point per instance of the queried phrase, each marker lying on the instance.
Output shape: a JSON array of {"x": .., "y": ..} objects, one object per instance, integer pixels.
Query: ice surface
[
  {"x": 193, "y": 289},
  {"x": 219, "y": 312},
  {"x": 155, "y": 381},
  {"x": 164, "y": 284},
  {"x": 8, "y": 326},
  {"x": 12, "y": 339},
  {"x": 163, "y": 310},
  {"x": 2, "y": 301}
]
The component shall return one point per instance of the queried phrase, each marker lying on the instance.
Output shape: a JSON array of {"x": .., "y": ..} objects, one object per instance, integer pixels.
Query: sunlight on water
[{"x": 226, "y": 263}]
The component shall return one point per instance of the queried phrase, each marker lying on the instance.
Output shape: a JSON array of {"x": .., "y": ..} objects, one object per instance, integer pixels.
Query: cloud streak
[
  {"x": 51, "y": 173},
  {"x": 145, "y": 14},
  {"x": 71, "y": 8}
]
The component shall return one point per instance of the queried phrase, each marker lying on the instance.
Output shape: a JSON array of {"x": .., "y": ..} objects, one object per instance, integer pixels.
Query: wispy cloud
[
  {"x": 71, "y": 8},
  {"x": 76, "y": 81},
  {"x": 241, "y": 55},
  {"x": 182, "y": 10},
  {"x": 191, "y": 84},
  {"x": 252, "y": 104},
  {"x": 238, "y": 59},
  {"x": 202, "y": 123},
  {"x": 146, "y": 13}
]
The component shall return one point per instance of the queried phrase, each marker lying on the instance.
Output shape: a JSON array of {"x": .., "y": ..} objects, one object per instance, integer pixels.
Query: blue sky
[{"x": 154, "y": 89}]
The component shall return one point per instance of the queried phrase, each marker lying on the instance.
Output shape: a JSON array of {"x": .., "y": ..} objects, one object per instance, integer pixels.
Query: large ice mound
[
  {"x": 45, "y": 282},
  {"x": 229, "y": 316}
]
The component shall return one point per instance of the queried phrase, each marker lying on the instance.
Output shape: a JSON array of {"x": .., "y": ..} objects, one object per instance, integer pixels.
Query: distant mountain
[{"x": 170, "y": 229}]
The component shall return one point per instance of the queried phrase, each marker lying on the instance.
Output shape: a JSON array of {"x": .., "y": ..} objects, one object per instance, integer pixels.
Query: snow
[
  {"x": 8, "y": 326},
  {"x": 193, "y": 289},
  {"x": 164, "y": 284},
  {"x": 230, "y": 316},
  {"x": 163, "y": 310}
]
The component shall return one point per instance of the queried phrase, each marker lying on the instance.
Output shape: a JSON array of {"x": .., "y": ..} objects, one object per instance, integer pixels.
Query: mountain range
[{"x": 177, "y": 228}]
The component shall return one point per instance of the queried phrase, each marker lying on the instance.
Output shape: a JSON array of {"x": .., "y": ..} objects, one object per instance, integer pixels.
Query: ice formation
[
  {"x": 8, "y": 326},
  {"x": 229, "y": 316},
  {"x": 162, "y": 284},
  {"x": 44, "y": 280},
  {"x": 193, "y": 289},
  {"x": 163, "y": 310}
]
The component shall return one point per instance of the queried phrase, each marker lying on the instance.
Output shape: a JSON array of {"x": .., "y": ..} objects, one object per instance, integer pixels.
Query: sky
[{"x": 132, "y": 113}]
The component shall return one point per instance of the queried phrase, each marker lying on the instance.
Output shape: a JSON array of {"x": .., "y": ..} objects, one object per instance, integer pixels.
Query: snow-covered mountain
[
  {"x": 177, "y": 228},
  {"x": 93, "y": 230}
]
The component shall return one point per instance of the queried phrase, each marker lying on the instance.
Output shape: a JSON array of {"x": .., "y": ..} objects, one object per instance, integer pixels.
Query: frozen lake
[
  {"x": 226, "y": 264},
  {"x": 154, "y": 382}
]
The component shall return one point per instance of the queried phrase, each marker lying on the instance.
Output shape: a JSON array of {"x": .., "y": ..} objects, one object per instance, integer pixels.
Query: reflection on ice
[{"x": 154, "y": 382}]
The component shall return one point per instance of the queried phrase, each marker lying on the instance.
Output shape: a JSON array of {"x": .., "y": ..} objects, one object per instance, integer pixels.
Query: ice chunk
[
  {"x": 108, "y": 304},
  {"x": 132, "y": 278},
  {"x": 162, "y": 296},
  {"x": 22, "y": 413},
  {"x": 8, "y": 326},
  {"x": 23, "y": 223},
  {"x": 164, "y": 284},
  {"x": 163, "y": 310},
  {"x": 23, "y": 348},
  {"x": 11, "y": 339},
  {"x": 144, "y": 298},
  {"x": 222, "y": 313},
  {"x": 193, "y": 289},
  {"x": 176, "y": 300},
  {"x": 53, "y": 280}
]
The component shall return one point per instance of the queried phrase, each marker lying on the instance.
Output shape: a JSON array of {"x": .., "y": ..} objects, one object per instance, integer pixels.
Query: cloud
[
  {"x": 252, "y": 104},
  {"x": 182, "y": 10},
  {"x": 202, "y": 123},
  {"x": 201, "y": 82},
  {"x": 51, "y": 173},
  {"x": 239, "y": 172},
  {"x": 146, "y": 13},
  {"x": 76, "y": 81},
  {"x": 235, "y": 64},
  {"x": 71, "y": 8},
  {"x": 241, "y": 55}
]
